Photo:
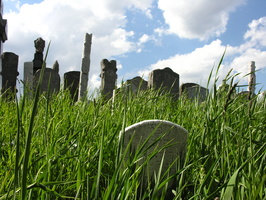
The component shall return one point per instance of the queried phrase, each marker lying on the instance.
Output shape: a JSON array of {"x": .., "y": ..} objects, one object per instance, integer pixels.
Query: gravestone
[
  {"x": 50, "y": 81},
  {"x": 28, "y": 74},
  {"x": 169, "y": 135},
  {"x": 9, "y": 74},
  {"x": 39, "y": 44},
  {"x": 194, "y": 91},
  {"x": 166, "y": 80},
  {"x": 85, "y": 66},
  {"x": 136, "y": 84},
  {"x": 3, "y": 37},
  {"x": 71, "y": 82},
  {"x": 252, "y": 79},
  {"x": 184, "y": 86},
  {"x": 108, "y": 78}
]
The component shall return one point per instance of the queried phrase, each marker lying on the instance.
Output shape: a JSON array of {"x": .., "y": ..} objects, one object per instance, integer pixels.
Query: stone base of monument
[{"x": 158, "y": 149}]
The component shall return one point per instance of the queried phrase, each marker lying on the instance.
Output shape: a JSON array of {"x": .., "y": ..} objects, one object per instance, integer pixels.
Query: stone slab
[{"x": 173, "y": 138}]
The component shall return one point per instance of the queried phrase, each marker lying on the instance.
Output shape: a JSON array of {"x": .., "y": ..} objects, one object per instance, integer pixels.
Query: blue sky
[{"x": 142, "y": 35}]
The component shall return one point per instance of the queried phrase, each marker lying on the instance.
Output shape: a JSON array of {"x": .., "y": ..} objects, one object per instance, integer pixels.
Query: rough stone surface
[
  {"x": 166, "y": 79},
  {"x": 28, "y": 73},
  {"x": 3, "y": 36},
  {"x": 108, "y": 78},
  {"x": 172, "y": 135},
  {"x": 71, "y": 82},
  {"x": 9, "y": 74},
  {"x": 85, "y": 66},
  {"x": 195, "y": 92},
  {"x": 136, "y": 84},
  {"x": 56, "y": 66},
  {"x": 184, "y": 86},
  {"x": 51, "y": 80},
  {"x": 252, "y": 78},
  {"x": 39, "y": 45}
]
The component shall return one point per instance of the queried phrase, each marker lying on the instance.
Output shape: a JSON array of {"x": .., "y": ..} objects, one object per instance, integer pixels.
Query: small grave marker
[
  {"x": 194, "y": 91},
  {"x": 71, "y": 82},
  {"x": 166, "y": 79},
  {"x": 51, "y": 80},
  {"x": 169, "y": 135}
]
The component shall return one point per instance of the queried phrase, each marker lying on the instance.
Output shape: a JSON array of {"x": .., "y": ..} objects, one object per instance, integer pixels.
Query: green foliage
[{"x": 52, "y": 148}]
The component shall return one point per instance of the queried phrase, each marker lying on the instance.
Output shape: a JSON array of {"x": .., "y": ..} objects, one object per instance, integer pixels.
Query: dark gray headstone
[
  {"x": 194, "y": 91},
  {"x": 173, "y": 139},
  {"x": 3, "y": 27},
  {"x": 108, "y": 78},
  {"x": 136, "y": 84},
  {"x": 51, "y": 80},
  {"x": 71, "y": 82},
  {"x": 9, "y": 74},
  {"x": 184, "y": 86},
  {"x": 3, "y": 36},
  {"x": 39, "y": 44},
  {"x": 165, "y": 79}
]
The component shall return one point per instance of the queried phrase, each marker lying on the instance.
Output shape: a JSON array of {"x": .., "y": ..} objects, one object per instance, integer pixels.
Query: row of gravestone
[{"x": 165, "y": 79}]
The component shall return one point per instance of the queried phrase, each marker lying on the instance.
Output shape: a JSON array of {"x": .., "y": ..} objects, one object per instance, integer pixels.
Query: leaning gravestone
[
  {"x": 165, "y": 79},
  {"x": 171, "y": 137}
]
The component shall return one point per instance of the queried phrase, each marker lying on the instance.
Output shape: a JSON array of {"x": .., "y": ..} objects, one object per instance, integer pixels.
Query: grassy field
[{"x": 52, "y": 148}]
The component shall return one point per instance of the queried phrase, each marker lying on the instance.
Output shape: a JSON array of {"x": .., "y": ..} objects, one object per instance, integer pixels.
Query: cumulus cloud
[
  {"x": 197, "y": 19},
  {"x": 196, "y": 65},
  {"x": 257, "y": 32},
  {"x": 64, "y": 23}
]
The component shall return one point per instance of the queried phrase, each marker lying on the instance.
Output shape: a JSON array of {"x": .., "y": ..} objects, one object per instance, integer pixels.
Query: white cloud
[
  {"x": 197, "y": 19},
  {"x": 196, "y": 65},
  {"x": 144, "y": 38},
  {"x": 257, "y": 32},
  {"x": 65, "y": 23}
]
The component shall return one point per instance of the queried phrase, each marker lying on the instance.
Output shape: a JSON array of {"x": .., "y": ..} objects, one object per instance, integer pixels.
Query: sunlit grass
[{"x": 74, "y": 150}]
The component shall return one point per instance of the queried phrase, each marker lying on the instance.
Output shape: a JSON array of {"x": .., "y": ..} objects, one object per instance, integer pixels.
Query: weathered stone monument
[
  {"x": 9, "y": 74},
  {"x": 252, "y": 78},
  {"x": 28, "y": 74},
  {"x": 85, "y": 66},
  {"x": 169, "y": 138},
  {"x": 184, "y": 86},
  {"x": 108, "y": 78},
  {"x": 3, "y": 36},
  {"x": 39, "y": 44},
  {"x": 136, "y": 84},
  {"x": 50, "y": 81},
  {"x": 71, "y": 83},
  {"x": 194, "y": 91},
  {"x": 166, "y": 80}
]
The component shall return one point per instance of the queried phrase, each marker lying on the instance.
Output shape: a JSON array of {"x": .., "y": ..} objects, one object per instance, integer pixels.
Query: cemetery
[{"x": 147, "y": 139}]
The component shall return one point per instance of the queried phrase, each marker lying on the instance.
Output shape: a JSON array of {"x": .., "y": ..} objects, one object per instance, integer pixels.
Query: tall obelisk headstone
[
  {"x": 3, "y": 36},
  {"x": 85, "y": 66},
  {"x": 252, "y": 78}
]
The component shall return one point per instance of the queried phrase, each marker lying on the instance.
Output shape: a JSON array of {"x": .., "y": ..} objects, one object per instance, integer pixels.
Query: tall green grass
[{"x": 74, "y": 150}]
